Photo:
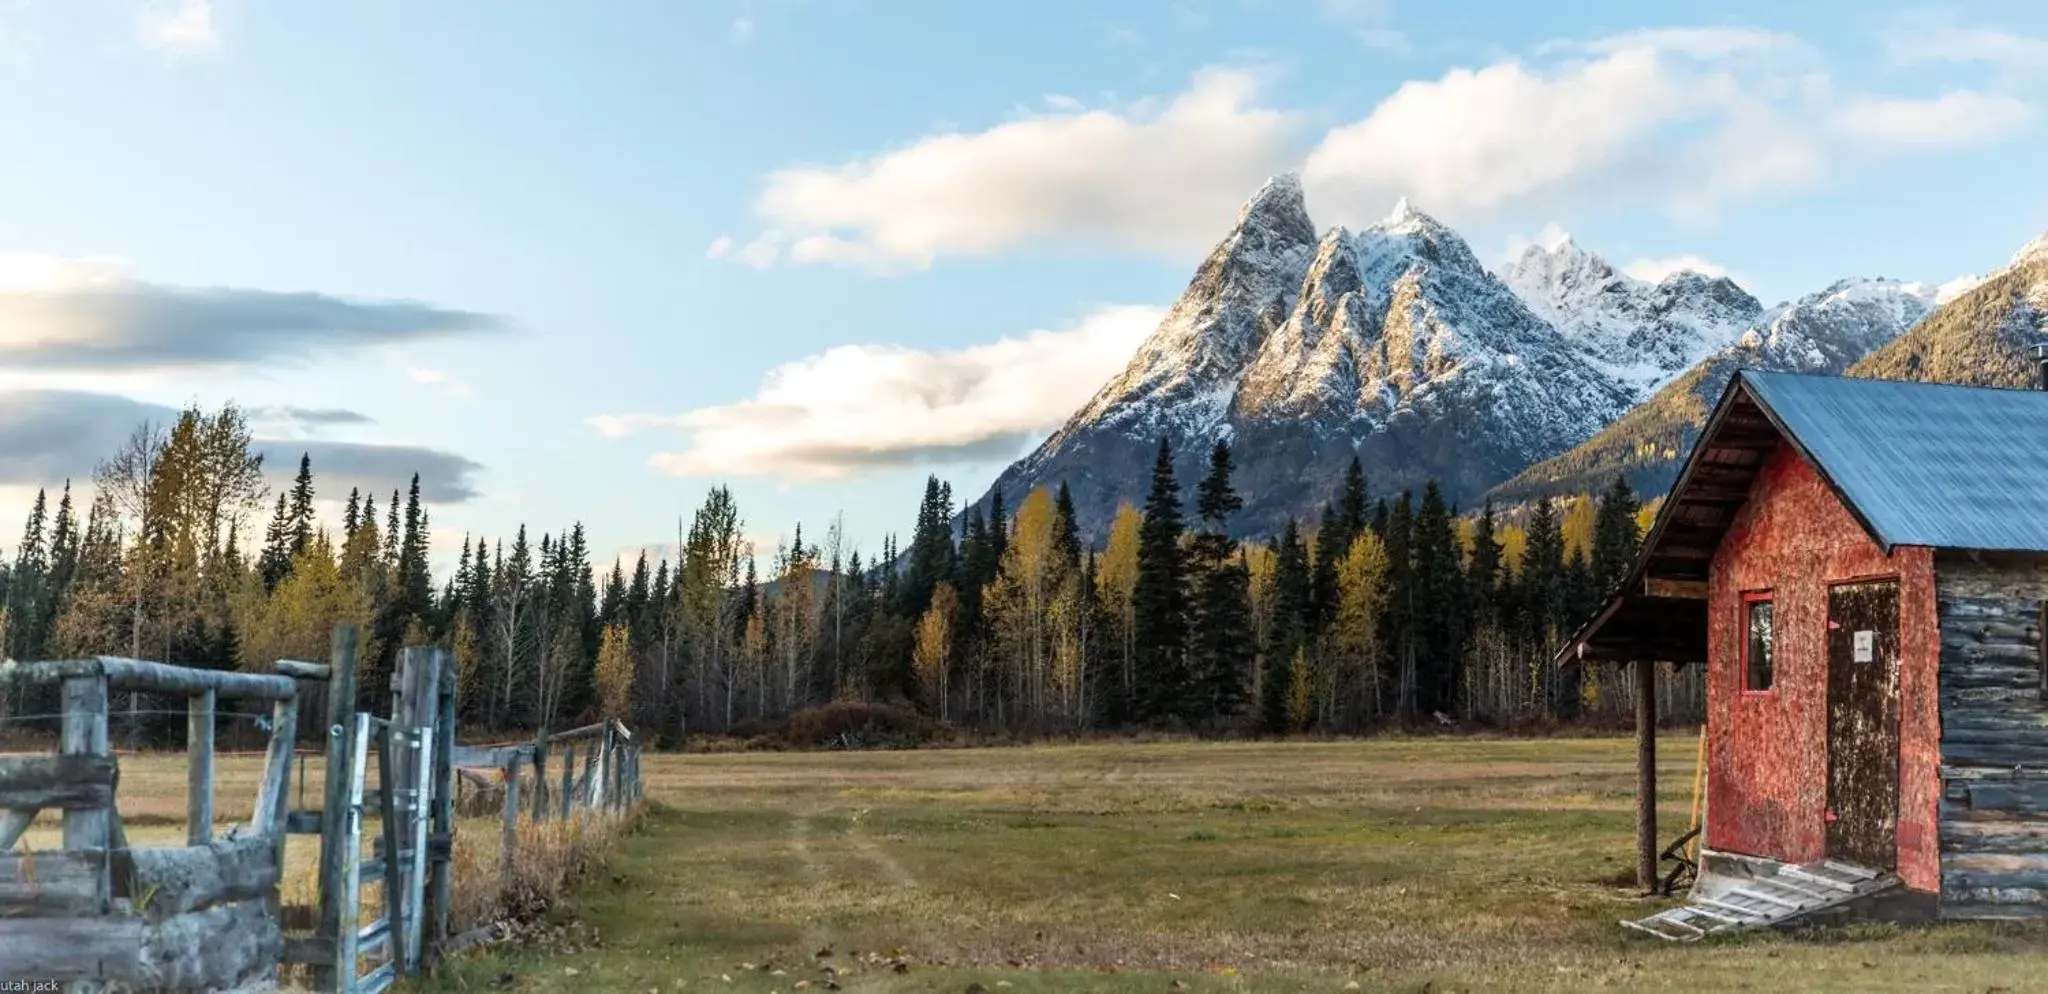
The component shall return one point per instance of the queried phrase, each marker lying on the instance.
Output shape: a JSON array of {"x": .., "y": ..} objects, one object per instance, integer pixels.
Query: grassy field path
[{"x": 1391, "y": 864}]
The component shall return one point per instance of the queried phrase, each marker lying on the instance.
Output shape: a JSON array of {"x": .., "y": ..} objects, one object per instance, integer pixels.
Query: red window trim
[{"x": 1742, "y": 642}]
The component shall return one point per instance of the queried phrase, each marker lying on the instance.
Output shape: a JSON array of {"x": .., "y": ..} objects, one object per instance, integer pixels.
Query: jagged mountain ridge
[
  {"x": 1643, "y": 334},
  {"x": 1844, "y": 328},
  {"x": 1393, "y": 344}
]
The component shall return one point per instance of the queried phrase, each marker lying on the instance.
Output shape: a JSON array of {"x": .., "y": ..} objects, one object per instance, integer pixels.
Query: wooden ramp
[{"x": 1744, "y": 892}]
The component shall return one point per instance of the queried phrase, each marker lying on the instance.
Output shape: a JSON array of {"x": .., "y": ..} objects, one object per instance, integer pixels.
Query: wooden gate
[{"x": 1863, "y": 722}]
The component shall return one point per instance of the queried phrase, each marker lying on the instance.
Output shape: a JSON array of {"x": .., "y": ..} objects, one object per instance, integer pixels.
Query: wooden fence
[
  {"x": 609, "y": 780},
  {"x": 208, "y": 915}
]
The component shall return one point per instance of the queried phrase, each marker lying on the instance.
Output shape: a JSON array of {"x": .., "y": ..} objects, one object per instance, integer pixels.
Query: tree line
[{"x": 1390, "y": 611}]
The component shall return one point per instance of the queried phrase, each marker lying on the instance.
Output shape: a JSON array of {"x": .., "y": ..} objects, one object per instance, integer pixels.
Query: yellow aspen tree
[
  {"x": 614, "y": 672},
  {"x": 1021, "y": 599},
  {"x": 1116, "y": 580},
  {"x": 932, "y": 646},
  {"x": 1361, "y": 601},
  {"x": 1576, "y": 525}
]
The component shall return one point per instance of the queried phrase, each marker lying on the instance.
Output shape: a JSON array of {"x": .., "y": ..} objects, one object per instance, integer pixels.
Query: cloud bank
[{"x": 862, "y": 407}]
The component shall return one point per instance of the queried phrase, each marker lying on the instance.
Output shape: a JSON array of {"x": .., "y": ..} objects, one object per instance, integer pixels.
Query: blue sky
[{"x": 820, "y": 248}]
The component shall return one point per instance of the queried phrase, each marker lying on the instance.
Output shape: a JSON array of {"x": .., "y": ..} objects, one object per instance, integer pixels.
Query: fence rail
[{"x": 208, "y": 915}]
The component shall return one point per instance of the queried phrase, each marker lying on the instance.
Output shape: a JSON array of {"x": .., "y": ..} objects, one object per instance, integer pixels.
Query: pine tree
[
  {"x": 27, "y": 585},
  {"x": 1483, "y": 572},
  {"x": 351, "y": 515},
  {"x": 1615, "y": 537},
  {"x": 302, "y": 516},
  {"x": 1220, "y": 650},
  {"x": 276, "y": 558},
  {"x": 1159, "y": 600},
  {"x": 1400, "y": 623},
  {"x": 1067, "y": 528},
  {"x": 1439, "y": 598},
  {"x": 1293, "y": 608}
]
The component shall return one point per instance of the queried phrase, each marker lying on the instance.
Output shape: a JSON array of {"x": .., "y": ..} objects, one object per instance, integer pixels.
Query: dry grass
[
  {"x": 1396, "y": 864},
  {"x": 549, "y": 857}
]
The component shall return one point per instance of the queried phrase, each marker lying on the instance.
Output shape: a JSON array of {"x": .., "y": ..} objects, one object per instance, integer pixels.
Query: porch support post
[{"x": 1646, "y": 773}]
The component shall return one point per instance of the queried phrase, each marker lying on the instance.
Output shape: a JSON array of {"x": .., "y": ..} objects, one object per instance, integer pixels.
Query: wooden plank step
[
  {"x": 1830, "y": 883},
  {"x": 1761, "y": 896},
  {"x": 1747, "y": 915},
  {"x": 1849, "y": 869}
]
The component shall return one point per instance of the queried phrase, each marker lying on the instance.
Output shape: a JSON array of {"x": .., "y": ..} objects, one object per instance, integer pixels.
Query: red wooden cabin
[{"x": 1861, "y": 566}]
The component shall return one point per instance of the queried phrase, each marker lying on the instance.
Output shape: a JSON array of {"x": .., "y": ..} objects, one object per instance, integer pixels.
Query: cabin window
[{"x": 1756, "y": 641}]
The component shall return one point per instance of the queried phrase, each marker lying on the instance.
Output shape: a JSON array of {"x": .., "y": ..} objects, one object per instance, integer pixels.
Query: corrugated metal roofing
[{"x": 1923, "y": 463}]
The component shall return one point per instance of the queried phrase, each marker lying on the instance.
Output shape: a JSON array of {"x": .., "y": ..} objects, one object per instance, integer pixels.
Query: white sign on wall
[{"x": 1866, "y": 646}]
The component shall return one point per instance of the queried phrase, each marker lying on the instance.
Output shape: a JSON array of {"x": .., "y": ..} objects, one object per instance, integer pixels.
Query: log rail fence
[{"x": 99, "y": 915}]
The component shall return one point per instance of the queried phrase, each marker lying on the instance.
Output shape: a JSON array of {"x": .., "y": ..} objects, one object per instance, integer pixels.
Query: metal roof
[{"x": 1922, "y": 463}]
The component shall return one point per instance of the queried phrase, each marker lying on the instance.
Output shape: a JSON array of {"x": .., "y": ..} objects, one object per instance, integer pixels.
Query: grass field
[{"x": 1393, "y": 864}]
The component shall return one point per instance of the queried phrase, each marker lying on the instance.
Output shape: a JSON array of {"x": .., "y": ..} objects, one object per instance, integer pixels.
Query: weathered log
[
  {"x": 2017, "y": 836},
  {"x": 199, "y": 769},
  {"x": 136, "y": 674},
  {"x": 1972, "y": 675},
  {"x": 66, "y": 949},
  {"x": 493, "y": 757},
  {"x": 69, "y": 783},
  {"x": 45, "y": 884},
  {"x": 2015, "y": 719},
  {"x": 189, "y": 878},
  {"x": 304, "y": 671},
  {"x": 2030, "y": 865},
  {"x": 2015, "y": 753},
  {"x": 335, "y": 809},
  {"x": 223, "y": 947},
  {"x": 85, "y": 734}
]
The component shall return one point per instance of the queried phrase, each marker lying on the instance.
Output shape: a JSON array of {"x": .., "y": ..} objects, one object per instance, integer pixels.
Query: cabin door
[{"x": 1863, "y": 723}]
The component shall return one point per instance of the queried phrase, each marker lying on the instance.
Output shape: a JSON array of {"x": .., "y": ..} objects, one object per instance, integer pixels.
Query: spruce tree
[
  {"x": 1439, "y": 598},
  {"x": 1221, "y": 650},
  {"x": 1159, "y": 599},
  {"x": 1615, "y": 537},
  {"x": 1400, "y": 622},
  {"x": 275, "y": 562},
  {"x": 302, "y": 506},
  {"x": 26, "y": 585},
  {"x": 1483, "y": 573},
  {"x": 1067, "y": 528},
  {"x": 1293, "y": 605}
]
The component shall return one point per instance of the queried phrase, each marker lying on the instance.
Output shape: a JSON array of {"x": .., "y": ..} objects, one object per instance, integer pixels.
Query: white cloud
[
  {"x": 1655, "y": 270},
  {"x": 1925, "y": 41},
  {"x": 1959, "y": 117},
  {"x": 862, "y": 407},
  {"x": 1686, "y": 120},
  {"x": 1145, "y": 177},
  {"x": 178, "y": 27},
  {"x": 454, "y": 387},
  {"x": 719, "y": 248}
]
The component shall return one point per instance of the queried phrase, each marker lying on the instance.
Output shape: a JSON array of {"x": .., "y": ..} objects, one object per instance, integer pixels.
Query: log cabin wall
[
  {"x": 1994, "y": 748},
  {"x": 1767, "y": 779}
]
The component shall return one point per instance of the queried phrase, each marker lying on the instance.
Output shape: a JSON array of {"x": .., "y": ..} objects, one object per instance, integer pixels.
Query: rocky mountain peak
[{"x": 2032, "y": 251}]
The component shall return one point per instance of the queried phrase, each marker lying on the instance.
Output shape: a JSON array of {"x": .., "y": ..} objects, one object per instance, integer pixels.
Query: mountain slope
[
  {"x": 1983, "y": 337},
  {"x": 1393, "y": 344},
  {"x": 1643, "y": 334},
  {"x": 1823, "y": 332}
]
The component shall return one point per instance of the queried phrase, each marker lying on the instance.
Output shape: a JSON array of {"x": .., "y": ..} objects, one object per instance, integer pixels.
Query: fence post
[
  {"x": 441, "y": 886},
  {"x": 587, "y": 790},
  {"x": 199, "y": 769},
  {"x": 85, "y": 734},
  {"x": 568, "y": 777},
  {"x": 508, "y": 830},
  {"x": 540, "y": 776},
  {"x": 335, "y": 800},
  {"x": 274, "y": 797}
]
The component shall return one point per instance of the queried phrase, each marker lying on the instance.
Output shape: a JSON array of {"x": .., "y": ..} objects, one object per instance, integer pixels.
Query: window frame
[{"x": 1742, "y": 660}]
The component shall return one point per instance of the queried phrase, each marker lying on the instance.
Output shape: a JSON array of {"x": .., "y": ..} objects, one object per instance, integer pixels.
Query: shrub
[{"x": 859, "y": 725}]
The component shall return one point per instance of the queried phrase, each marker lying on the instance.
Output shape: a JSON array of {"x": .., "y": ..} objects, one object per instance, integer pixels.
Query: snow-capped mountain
[
  {"x": 1396, "y": 346},
  {"x": 1393, "y": 344},
  {"x": 1823, "y": 332},
  {"x": 1643, "y": 334}
]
